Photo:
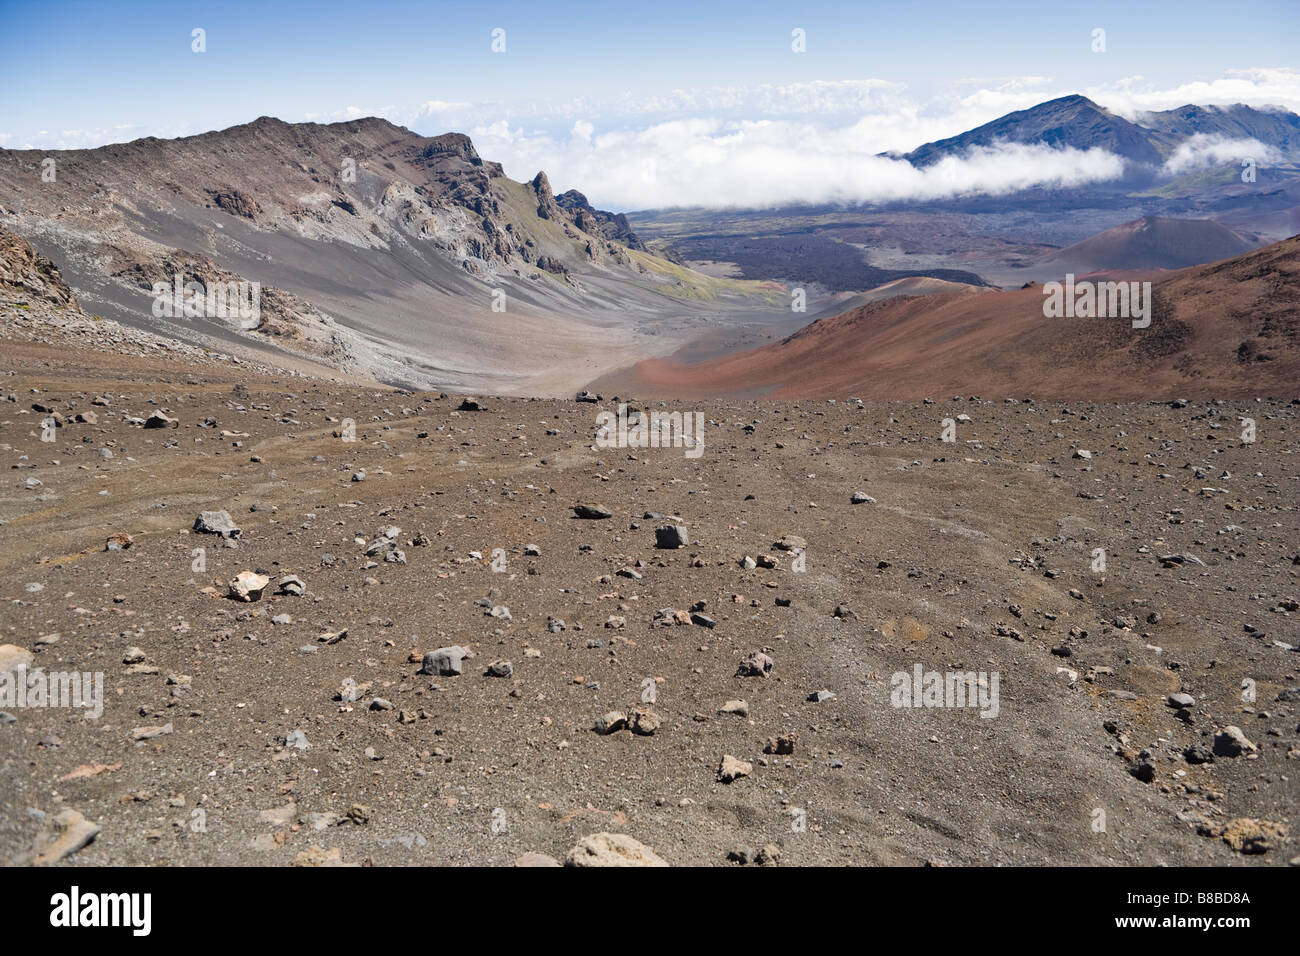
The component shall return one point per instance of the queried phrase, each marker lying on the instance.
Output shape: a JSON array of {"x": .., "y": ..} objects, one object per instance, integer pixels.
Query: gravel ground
[{"x": 227, "y": 737}]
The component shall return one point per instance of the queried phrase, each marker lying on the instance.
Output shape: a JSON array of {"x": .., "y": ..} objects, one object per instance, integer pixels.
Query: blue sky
[{"x": 83, "y": 74}]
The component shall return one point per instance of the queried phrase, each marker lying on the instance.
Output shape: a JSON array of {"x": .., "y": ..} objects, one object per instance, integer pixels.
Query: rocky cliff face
[{"x": 25, "y": 271}]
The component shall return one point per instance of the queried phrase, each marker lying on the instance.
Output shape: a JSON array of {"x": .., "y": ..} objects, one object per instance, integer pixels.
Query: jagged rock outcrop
[
  {"x": 23, "y": 268},
  {"x": 234, "y": 202},
  {"x": 598, "y": 222},
  {"x": 546, "y": 205}
]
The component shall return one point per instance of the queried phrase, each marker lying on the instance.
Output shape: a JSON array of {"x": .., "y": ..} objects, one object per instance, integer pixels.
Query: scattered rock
[
  {"x": 316, "y": 856},
  {"x": 644, "y": 722},
  {"x": 289, "y": 584},
  {"x": 248, "y": 586},
  {"x": 75, "y": 831},
  {"x": 216, "y": 522},
  {"x": 1231, "y": 742},
  {"x": 159, "y": 420},
  {"x": 531, "y": 859},
  {"x": 612, "y": 849},
  {"x": 755, "y": 664},
  {"x": 444, "y": 662},
  {"x": 1143, "y": 769},
  {"x": 12, "y": 657},
  {"x": 1248, "y": 835},
  {"x": 671, "y": 536},
  {"x": 783, "y": 744},
  {"x": 610, "y": 722},
  {"x": 732, "y": 768},
  {"x": 149, "y": 733}
]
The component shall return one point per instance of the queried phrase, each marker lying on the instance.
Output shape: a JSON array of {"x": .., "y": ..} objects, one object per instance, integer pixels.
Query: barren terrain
[{"x": 230, "y": 732}]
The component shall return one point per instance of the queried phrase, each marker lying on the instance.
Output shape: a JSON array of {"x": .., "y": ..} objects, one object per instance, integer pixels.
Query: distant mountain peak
[
  {"x": 1068, "y": 121},
  {"x": 1076, "y": 121}
]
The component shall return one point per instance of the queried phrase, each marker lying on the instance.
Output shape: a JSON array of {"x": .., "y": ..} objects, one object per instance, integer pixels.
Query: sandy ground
[{"x": 977, "y": 555}]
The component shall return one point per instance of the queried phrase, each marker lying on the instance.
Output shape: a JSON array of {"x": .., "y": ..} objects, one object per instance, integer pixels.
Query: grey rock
[
  {"x": 610, "y": 722},
  {"x": 290, "y": 584},
  {"x": 159, "y": 420},
  {"x": 444, "y": 662},
  {"x": 671, "y": 536},
  {"x": 216, "y": 522},
  {"x": 1231, "y": 742}
]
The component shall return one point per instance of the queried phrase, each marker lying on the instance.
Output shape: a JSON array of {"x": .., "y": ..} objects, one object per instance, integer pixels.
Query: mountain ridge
[
  {"x": 409, "y": 254},
  {"x": 1077, "y": 122}
]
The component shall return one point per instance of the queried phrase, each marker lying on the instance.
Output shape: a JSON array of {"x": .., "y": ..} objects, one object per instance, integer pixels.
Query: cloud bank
[
  {"x": 755, "y": 164},
  {"x": 820, "y": 142}
]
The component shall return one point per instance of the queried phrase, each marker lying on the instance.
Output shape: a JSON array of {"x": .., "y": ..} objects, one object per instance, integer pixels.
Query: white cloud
[
  {"x": 819, "y": 142},
  {"x": 1204, "y": 150},
  {"x": 711, "y": 163},
  {"x": 1278, "y": 86}
]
